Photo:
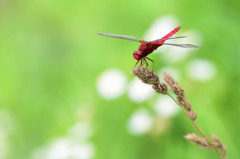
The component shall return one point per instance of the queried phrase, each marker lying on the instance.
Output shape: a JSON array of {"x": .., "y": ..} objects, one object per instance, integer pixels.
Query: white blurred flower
[
  {"x": 75, "y": 145},
  {"x": 59, "y": 150},
  {"x": 140, "y": 122},
  {"x": 139, "y": 91},
  {"x": 172, "y": 71},
  {"x": 166, "y": 107},
  {"x": 64, "y": 149},
  {"x": 111, "y": 84},
  {"x": 200, "y": 69}
]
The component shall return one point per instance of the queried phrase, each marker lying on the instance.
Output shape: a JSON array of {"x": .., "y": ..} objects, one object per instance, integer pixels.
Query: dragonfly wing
[
  {"x": 182, "y": 45},
  {"x": 160, "y": 40},
  {"x": 126, "y": 37}
]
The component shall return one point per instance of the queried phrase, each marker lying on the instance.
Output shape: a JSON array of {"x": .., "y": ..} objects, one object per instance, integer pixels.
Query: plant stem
[
  {"x": 198, "y": 128},
  {"x": 203, "y": 134}
]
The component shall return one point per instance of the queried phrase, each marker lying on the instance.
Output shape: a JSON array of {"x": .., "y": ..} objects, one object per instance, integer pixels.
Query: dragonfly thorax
[{"x": 137, "y": 55}]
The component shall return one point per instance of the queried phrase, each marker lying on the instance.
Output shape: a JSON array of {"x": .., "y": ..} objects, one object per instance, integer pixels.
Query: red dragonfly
[{"x": 148, "y": 47}]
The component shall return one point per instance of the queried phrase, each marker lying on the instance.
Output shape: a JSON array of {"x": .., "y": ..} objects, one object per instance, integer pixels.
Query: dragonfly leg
[
  {"x": 141, "y": 63},
  {"x": 136, "y": 63},
  {"x": 146, "y": 62},
  {"x": 152, "y": 62}
]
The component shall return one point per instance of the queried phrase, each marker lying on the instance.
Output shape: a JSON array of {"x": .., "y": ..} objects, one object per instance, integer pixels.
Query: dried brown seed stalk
[
  {"x": 173, "y": 85},
  {"x": 192, "y": 115},
  {"x": 219, "y": 144},
  {"x": 149, "y": 77},
  {"x": 179, "y": 91},
  {"x": 201, "y": 142},
  {"x": 146, "y": 76}
]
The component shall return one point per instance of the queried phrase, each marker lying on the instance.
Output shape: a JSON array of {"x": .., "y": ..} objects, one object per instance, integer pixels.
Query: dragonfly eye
[{"x": 137, "y": 55}]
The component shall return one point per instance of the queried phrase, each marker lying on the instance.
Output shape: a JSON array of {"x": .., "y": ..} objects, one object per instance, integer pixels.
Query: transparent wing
[
  {"x": 168, "y": 38},
  {"x": 182, "y": 45},
  {"x": 126, "y": 37}
]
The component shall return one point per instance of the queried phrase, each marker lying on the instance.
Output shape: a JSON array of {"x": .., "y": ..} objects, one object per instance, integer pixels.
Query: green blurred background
[{"x": 51, "y": 59}]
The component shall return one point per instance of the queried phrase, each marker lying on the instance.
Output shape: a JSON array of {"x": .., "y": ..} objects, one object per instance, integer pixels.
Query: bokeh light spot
[
  {"x": 166, "y": 107},
  {"x": 138, "y": 91},
  {"x": 111, "y": 84},
  {"x": 201, "y": 70},
  {"x": 140, "y": 122}
]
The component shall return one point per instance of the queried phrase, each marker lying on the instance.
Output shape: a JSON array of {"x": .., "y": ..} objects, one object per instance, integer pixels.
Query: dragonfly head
[{"x": 137, "y": 55}]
